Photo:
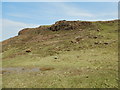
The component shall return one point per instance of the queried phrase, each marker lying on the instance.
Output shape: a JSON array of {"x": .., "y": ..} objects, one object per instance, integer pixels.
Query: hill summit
[{"x": 64, "y": 25}]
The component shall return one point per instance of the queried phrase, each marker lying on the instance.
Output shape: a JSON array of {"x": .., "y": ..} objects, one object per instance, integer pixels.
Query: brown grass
[
  {"x": 46, "y": 68},
  {"x": 3, "y": 71}
]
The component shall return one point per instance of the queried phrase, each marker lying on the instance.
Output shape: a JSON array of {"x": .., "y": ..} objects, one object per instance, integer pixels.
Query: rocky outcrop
[
  {"x": 59, "y": 25},
  {"x": 69, "y": 25},
  {"x": 63, "y": 25}
]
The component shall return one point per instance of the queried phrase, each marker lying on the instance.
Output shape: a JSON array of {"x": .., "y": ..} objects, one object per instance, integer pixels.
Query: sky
[{"x": 19, "y": 15}]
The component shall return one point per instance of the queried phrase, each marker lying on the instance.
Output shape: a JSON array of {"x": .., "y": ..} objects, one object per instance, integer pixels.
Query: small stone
[
  {"x": 96, "y": 43},
  {"x": 55, "y": 57},
  {"x": 28, "y": 51},
  {"x": 68, "y": 50},
  {"x": 95, "y": 37},
  {"x": 98, "y": 30},
  {"x": 106, "y": 43}
]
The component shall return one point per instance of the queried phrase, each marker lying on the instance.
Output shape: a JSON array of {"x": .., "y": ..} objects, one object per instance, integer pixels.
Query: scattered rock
[
  {"x": 73, "y": 41},
  {"x": 28, "y": 51},
  {"x": 100, "y": 42},
  {"x": 80, "y": 47},
  {"x": 95, "y": 37},
  {"x": 98, "y": 30},
  {"x": 96, "y": 43},
  {"x": 68, "y": 50},
  {"x": 106, "y": 43},
  {"x": 78, "y": 38},
  {"x": 55, "y": 57}
]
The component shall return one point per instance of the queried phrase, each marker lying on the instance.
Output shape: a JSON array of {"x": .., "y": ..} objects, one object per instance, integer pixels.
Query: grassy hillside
[{"x": 67, "y": 54}]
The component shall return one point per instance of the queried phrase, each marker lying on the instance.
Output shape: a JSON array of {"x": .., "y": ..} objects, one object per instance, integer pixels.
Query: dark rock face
[{"x": 69, "y": 25}]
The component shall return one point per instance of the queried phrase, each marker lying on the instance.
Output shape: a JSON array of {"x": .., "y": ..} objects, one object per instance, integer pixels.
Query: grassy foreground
[{"x": 91, "y": 62}]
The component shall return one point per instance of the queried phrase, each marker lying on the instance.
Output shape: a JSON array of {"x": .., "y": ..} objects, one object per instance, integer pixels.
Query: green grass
[
  {"x": 98, "y": 71},
  {"x": 75, "y": 65}
]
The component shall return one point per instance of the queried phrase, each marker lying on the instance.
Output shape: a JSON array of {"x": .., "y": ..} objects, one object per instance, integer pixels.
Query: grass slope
[{"x": 81, "y": 58}]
